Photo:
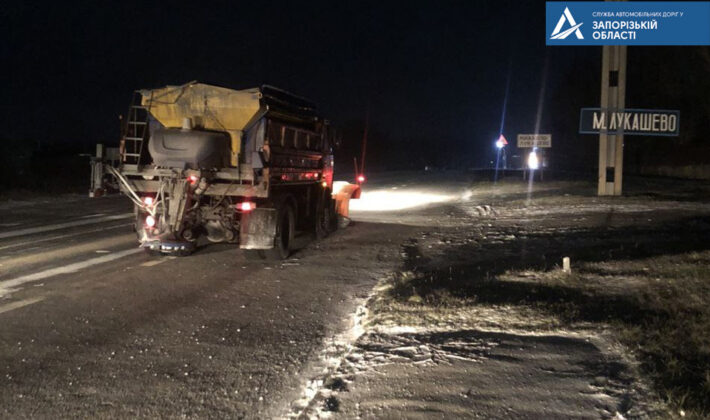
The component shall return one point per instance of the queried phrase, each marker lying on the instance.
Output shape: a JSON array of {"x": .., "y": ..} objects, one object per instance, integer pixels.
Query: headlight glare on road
[{"x": 396, "y": 200}]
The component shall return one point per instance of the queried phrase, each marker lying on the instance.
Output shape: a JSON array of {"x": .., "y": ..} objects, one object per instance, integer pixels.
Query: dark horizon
[{"x": 427, "y": 74}]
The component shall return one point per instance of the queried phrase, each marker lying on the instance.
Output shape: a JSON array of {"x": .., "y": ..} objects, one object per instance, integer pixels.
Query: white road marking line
[
  {"x": 154, "y": 262},
  {"x": 40, "y": 229},
  {"x": 52, "y": 238},
  {"x": 19, "y": 304},
  {"x": 102, "y": 251},
  {"x": 6, "y": 286},
  {"x": 89, "y": 216}
]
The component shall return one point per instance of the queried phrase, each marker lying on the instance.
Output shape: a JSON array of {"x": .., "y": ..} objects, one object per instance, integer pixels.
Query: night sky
[{"x": 431, "y": 73}]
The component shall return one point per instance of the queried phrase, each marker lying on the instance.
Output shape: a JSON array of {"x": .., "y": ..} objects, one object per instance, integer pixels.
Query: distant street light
[
  {"x": 500, "y": 144},
  {"x": 533, "y": 161}
]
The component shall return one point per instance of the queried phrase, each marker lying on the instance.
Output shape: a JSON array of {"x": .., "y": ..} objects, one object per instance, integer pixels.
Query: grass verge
[{"x": 657, "y": 307}]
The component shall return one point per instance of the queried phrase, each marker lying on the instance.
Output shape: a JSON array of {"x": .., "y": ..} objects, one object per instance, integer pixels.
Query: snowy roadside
[
  {"x": 489, "y": 361},
  {"x": 465, "y": 329}
]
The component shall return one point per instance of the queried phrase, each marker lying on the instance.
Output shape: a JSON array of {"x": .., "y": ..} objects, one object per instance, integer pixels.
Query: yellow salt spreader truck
[{"x": 248, "y": 166}]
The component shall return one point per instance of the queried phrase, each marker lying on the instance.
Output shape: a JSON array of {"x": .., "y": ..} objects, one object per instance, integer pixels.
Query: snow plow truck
[{"x": 245, "y": 166}]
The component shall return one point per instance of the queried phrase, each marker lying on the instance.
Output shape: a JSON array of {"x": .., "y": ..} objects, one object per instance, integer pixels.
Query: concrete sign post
[{"x": 613, "y": 97}]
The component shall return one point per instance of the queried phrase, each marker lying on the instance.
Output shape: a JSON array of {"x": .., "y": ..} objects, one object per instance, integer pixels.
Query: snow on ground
[
  {"x": 474, "y": 373},
  {"x": 456, "y": 357},
  {"x": 484, "y": 362}
]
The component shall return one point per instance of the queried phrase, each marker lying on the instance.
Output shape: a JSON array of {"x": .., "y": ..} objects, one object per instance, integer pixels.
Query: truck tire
[
  {"x": 285, "y": 231},
  {"x": 325, "y": 215}
]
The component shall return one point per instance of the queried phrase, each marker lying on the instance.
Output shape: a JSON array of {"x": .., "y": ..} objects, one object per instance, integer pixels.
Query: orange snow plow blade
[{"x": 343, "y": 192}]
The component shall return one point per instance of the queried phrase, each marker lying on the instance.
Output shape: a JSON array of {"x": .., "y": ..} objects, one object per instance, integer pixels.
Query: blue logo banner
[{"x": 627, "y": 23}]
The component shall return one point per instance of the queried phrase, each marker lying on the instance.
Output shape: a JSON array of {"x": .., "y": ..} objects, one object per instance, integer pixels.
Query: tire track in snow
[{"x": 335, "y": 350}]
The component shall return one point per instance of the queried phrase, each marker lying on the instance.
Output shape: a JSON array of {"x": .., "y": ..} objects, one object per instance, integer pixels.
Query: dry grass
[
  {"x": 658, "y": 307},
  {"x": 673, "y": 340}
]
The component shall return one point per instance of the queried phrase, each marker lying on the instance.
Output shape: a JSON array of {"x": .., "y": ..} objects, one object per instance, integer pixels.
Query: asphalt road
[{"x": 91, "y": 326}]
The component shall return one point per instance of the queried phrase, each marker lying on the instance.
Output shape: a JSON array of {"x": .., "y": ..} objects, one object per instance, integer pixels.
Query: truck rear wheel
[
  {"x": 285, "y": 231},
  {"x": 325, "y": 215}
]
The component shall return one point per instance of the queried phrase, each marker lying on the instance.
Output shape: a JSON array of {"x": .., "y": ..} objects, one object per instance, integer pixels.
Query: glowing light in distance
[
  {"x": 533, "y": 161},
  {"x": 361, "y": 179},
  {"x": 192, "y": 179},
  {"x": 150, "y": 221},
  {"x": 500, "y": 144},
  {"x": 148, "y": 200}
]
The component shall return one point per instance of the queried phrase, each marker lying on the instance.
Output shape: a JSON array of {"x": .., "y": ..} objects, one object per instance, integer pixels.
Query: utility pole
[
  {"x": 613, "y": 98},
  {"x": 364, "y": 142}
]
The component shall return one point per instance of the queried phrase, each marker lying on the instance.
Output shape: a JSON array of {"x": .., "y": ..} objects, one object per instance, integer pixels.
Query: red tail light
[
  {"x": 360, "y": 179},
  {"x": 193, "y": 179},
  {"x": 246, "y": 206},
  {"x": 150, "y": 221}
]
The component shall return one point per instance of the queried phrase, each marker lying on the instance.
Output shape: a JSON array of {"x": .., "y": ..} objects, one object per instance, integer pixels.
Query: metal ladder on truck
[{"x": 136, "y": 130}]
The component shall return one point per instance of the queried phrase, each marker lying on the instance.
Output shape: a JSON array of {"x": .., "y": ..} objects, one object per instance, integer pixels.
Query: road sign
[
  {"x": 639, "y": 122},
  {"x": 534, "y": 140}
]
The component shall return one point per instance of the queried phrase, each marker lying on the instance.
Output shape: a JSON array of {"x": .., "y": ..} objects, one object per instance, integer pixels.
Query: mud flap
[{"x": 258, "y": 229}]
